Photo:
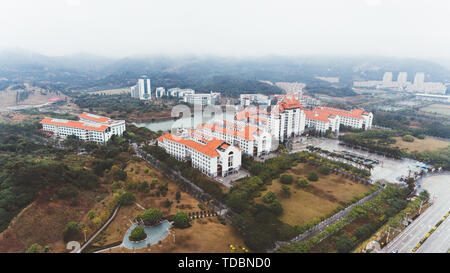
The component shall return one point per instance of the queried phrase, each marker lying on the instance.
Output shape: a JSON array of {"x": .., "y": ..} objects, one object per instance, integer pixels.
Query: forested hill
[{"x": 230, "y": 76}]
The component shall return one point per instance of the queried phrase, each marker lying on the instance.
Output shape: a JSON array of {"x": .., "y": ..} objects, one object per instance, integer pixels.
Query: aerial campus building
[
  {"x": 212, "y": 156},
  {"x": 252, "y": 140},
  {"x": 89, "y": 128}
]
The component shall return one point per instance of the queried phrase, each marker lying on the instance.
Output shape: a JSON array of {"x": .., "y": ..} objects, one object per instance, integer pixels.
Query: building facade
[
  {"x": 355, "y": 118},
  {"x": 252, "y": 140},
  {"x": 213, "y": 157},
  {"x": 89, "y": 128},
  {"x": 142, "y": 90}
]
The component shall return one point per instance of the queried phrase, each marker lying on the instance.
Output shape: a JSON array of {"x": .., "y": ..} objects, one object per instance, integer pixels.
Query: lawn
[
  {"x": 322, "y": 197},
  {"x": 421, "y": 145}
]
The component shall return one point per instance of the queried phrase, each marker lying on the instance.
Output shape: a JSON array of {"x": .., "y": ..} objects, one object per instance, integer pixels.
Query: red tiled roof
[
  {"x": 354, "y": 113},
  {"x": 320, "y": 116},
  {"x": 74, "y": 124},
  {"x": 245, "y": 132},
  {"x": 208, "y": 149},
  {"x": 94, "y": 117},
  {"x": 289, "y": 103}
]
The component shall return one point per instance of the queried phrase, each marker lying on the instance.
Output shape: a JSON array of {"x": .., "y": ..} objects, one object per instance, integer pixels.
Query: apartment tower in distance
[{"x": 142, "y": 90}]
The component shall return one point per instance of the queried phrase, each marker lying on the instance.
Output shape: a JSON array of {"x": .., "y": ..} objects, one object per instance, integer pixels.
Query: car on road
[{"x": 394, "y": 251}]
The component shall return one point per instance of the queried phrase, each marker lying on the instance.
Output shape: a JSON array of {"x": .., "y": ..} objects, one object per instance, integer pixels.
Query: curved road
[{"x": 439, "y": 242}]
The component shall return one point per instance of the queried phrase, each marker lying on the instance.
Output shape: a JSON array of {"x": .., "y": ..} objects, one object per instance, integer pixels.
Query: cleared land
[
  {"x": 322, "y": 196},
  {"x": 44, "y": 221},
  {"x": 442, "y": 109},
  {"x": 111, "y": 91},
  {"x": 421, "y": 145}
]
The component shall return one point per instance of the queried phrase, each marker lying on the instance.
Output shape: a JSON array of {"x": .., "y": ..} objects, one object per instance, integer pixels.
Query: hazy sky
[{"x": 412, "y": 28}]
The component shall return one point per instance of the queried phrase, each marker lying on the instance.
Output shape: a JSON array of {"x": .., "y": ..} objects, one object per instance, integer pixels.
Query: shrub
[
  {"x": 313, "y": 176},
  {"x": 137, "y": 234},
  {"x": 72, "y": 231},
  {"x": 408, "y": 138},
  {"x": 127, "y": 198},
  {"x": 324, "y": 170},
  {"x": 181, "y": 220},
  {"x": 91, "y": 214},
  {"x": 269, "y": 197},
  {"x": 421, "y": 136},
  {"x": 285, "y": 191},
  {"x": 120, "y": 175},
  {"x": 35, "y": 248},
  {"x": 67, "y": 193},
  {"x": 286, "y": 179},
  {"x": 302, "y": 182},
  {"x": 150, "y": 217}
]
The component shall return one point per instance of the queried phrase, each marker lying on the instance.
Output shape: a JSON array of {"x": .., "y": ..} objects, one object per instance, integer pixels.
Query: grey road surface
[{"x": 439, "y": 241}]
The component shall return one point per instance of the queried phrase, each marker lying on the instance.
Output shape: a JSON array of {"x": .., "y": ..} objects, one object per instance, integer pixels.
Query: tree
[
  {"x": 269, "y": 197},
  {"x": 424, "y": 195},
  {"x": 285, "y": 191},
  {"x": 313, "y": 176},
  {"x": 276, "y": 207},
  {"x": 72, "y": 231},
  {"x": 137, "y": 234},
  {"x": 286, "y": 179},
  {"x": 302, "y": 182},
  {"x": 408, "y": 138},
  {"x": 150, "y": 217},
  {"x": 344, "y": 244},
  {"x": 181, "y": 220},
  {"x": 238, "y": 200},
  {"x": 127, "y": 198}
]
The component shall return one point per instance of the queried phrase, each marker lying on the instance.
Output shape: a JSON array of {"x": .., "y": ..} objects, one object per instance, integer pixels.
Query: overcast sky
[{"x": 406, "y": 28}]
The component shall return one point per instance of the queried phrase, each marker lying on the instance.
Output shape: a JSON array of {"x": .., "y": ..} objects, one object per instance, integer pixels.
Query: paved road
[{"x": 439, "y": 241}]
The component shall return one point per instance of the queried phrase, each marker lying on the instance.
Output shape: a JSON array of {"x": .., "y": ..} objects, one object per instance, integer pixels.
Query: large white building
[
  {"x": 179, "y": 92},
  {"x": 142, "y": 90},
  {"x": 89, "y": 128},
  {"x": 202, "y": 99},
  {"x": 160, "y": 92},
  {"x": 387, "y": 77},
  {"x": 259, "y": 99},
  {"x": 402, "y": 77},
  {"x": 212, "y": 156},
  {"x": 253, "y": 141},
  {"x": 322, "y": 121},
  {"x": 286, "y": 119},
  {"x": 355, "y": 118}
]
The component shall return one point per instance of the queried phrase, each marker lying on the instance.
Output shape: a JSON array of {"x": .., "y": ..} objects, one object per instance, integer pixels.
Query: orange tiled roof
[
  {"x": 245, "y": 132},
  {"x": 74, "y": 124},
  {"x": 289, "y": 103},
  {"x": 318, "y": 115},
  {"x": 94, "y": 117},
  {"x": 209, "y": 148},
  {"x": 354, "y": 113}
]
